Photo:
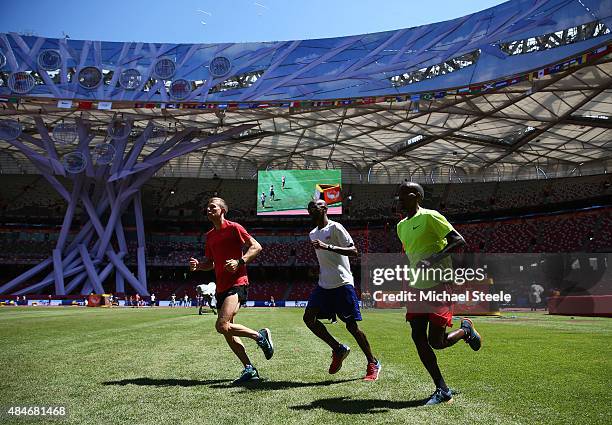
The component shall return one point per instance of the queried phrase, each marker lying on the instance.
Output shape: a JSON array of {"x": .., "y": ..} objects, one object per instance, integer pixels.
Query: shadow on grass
[
  {"x": 167, "y": 382},
  {"x": 358, "y": 406},
  {"x": 265, "y": 385}
]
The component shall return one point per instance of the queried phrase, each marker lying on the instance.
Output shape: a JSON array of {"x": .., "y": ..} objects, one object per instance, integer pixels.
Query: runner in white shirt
[
  {"x": 207, "y": 292},
  {"x": 335, "y": 295}
]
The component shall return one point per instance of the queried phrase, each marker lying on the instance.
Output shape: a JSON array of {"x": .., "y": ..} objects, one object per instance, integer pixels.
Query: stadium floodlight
[
  {"x": 220, "y": 66},
  {"x": 65, "y": 134},
  {"x": 164, "y": 69},
  {"x": 515, "y": 137},
  {"x": 180, "y": 89},
  {"x": 21, "y": 82},
  {"x": 103, "y": 154},
  {"x": 130, "y": 79},
  {"x": 10, "y": 130},
  {"x": 90, "y": 77},
  {"x": 74, "y": 162},
  {"x": 49, "y": 60}
]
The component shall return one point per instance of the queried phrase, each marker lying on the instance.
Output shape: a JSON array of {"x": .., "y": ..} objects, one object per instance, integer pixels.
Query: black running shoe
[
  {"x": 265, "y": 343},
  {"x": 472, "y": 336},
  {"x": 440, "y": 396},
  {"x": 249, "y": 374}
]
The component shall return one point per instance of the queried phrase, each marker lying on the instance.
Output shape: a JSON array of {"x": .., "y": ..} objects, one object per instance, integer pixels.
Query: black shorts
[{"x": 241, "y": 290}]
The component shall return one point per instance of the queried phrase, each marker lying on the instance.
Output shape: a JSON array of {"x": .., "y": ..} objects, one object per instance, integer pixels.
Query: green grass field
[
  {"x": 169, "y": 366},
  {"x": 299, "y": 188}
]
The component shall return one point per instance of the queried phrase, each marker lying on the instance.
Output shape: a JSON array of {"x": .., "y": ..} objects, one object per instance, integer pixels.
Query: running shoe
[
  {"x": 265, "y": 343},
  {"x": 338, "y": 357},
  {"x": 440, "y": 396},
  {"x": 372, "y": 371},
  {"x": 249, "y": 374},
  {"x": 472, "y": 337}
]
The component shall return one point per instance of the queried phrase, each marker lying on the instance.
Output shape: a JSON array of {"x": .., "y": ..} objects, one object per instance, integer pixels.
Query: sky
[{"x": 208, "y": 21}]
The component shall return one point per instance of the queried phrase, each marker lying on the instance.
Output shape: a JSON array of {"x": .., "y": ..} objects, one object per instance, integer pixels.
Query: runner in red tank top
[{"x": 224, "y": 254}]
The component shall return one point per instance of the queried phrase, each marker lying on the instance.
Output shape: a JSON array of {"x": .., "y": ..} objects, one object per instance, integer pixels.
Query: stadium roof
[{"x": 521, "y": 90}]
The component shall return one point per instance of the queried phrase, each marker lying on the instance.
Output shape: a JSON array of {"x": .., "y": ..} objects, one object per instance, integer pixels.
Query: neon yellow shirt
[{"x": 422, "y": 235}]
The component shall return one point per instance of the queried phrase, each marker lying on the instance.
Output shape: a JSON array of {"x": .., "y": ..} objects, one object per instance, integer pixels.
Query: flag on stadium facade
[{"x": 67, "y": 104}]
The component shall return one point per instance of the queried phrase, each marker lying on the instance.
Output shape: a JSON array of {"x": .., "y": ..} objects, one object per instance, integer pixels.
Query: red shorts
[
  {"x": 443, "y": 319},
  {"x": 440, "y": 313}
]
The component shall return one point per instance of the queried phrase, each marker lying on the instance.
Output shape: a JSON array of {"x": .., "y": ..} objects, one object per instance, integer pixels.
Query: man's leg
[
  {"x": 361, "y": 339},
  {"x": 426, "y": 353},
  {"x": 318, "y": 328},
  {"x": 230, "y": 309},
  {"x": 339, "y": 351},
  {"x": 225, "y": 324},
  {"x": 237, "y": 347},
  {"x": 440, "y": 339}
]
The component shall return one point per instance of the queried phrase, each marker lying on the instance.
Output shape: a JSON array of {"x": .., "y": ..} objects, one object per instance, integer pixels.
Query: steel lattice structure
[
  {"x": 513, "y": 91},
  {"x": 106, "y": 187},
  {"x": 429, "y": 103}
]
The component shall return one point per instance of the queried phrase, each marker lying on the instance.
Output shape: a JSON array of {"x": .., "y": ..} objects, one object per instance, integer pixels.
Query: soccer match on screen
[
  {"x": 306, "y": 212},
  {"x": 288, "y": 192}
]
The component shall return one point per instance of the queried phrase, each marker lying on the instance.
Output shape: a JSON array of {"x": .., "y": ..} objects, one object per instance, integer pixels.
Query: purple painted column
[
  {"x": 142, "y": 266},
  {"x": 50, "y": 280},
  {"x": 119, "y": 280},
  {"x": 59, "y": 273},
  {"x": 25, "y": 276},
  {"x": 94, "y": 279},
  {"x": 121, "y": 268},
  {"x": 61, "y": 240}
]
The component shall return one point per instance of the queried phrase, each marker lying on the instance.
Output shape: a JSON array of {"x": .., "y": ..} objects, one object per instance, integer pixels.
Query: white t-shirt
[
  {"x": 535, "y": 293},
  {"x": 207, "y": 289},
  {"x": 335, "y": 269}
]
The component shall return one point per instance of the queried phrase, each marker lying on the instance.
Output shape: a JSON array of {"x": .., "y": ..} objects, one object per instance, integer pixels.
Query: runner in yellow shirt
[{"x": 428, "y": 238}]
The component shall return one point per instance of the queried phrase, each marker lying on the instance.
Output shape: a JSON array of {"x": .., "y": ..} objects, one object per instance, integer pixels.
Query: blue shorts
[{"x": 341, "y": 302}]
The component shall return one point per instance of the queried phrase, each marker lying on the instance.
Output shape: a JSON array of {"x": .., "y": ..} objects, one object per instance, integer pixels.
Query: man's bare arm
[
  {"x": 206, "y": 265},
  {"x": 454, "y": 240},
  {"x": 253, "y": 250},
  {"x": 350, "y": 251}
]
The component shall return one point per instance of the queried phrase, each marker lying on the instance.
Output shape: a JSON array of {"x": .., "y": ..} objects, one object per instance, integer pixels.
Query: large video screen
[{"x": 288, "y": 192}]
